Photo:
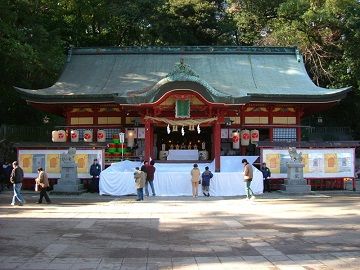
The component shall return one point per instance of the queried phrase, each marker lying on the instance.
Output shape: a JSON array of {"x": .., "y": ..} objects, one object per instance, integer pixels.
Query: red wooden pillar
[
  {"x": 270, "y": 121},
  {"x": 68, "y": 134},
  {"x": 298, "y": 128},
  {"x": 68, "y": 130},
  {"x": 151, "y": 130},
  {"x": 217, "y": 145},
  {"x": 148, "y": 140}
]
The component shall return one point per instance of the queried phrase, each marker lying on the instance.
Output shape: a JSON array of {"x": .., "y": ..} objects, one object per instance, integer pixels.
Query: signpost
[{"x": 122, "y": 140}]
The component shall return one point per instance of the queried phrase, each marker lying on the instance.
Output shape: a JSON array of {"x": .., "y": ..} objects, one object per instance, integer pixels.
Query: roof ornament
[{"x": 182, "y": 70}]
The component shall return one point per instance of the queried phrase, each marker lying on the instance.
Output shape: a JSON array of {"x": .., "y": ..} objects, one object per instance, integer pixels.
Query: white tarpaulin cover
[{"x": 173, "y": 179}]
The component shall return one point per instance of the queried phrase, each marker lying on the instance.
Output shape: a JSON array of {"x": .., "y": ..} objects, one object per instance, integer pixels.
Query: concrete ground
[{"x": 276, "y": 231}]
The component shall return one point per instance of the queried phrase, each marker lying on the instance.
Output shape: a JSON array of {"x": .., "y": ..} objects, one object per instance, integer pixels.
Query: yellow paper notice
[
  {"x": 53, "y": 163},
  {"x": 305, "y": 161},
  {"x": 26, "y": 162},
  {"x": 273, "y": 162},
  {"x": 331, "y": 163},
  {"x": 82, "y": 160}
]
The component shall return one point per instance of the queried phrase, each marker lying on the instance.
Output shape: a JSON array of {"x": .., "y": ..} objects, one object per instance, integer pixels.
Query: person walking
[
  {"x": 95, "y": 170},
  {"x": 205, "y": 183},
  {"x": 16, "y": 178},
  {"x": 266, "y": 177},
  {"x": 248, "y": 176},
  {"x": 43, "y": 183},
  {"x": 150, "y": 169},
  {"x": 195, "y": 178},
  {"x": 139, "y": 177}
]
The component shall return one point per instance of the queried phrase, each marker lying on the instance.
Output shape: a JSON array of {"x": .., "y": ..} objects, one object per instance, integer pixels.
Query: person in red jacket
[{"x": 150, "y": 169}]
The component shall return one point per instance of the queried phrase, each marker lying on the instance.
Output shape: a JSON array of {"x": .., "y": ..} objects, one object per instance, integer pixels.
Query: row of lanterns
[
  {"x": 244, "y": 137},
  {"x": 60, "y": 135}
]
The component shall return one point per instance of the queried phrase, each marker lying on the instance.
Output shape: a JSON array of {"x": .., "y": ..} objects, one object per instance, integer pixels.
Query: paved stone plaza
[{"x": 319, "y": 231}]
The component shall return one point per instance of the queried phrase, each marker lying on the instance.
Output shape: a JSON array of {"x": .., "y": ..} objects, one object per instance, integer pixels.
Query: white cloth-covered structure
[{"x": 173, "y": 179}]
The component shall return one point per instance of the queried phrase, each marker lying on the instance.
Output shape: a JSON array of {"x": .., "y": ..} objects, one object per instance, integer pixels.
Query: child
[
  {"x": 139, "y": 177},
  {"x": 206, "y": 176}
]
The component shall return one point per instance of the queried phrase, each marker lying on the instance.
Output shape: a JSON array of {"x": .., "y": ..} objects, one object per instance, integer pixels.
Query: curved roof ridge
[
  {"x": 223, "y": 73},
  {"x": 181, "y": 73},
  {"x": 183, "y": 49}
]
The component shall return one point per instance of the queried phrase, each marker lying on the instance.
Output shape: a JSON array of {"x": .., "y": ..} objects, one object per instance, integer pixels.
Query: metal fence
[{"x": 16, "y": 133}]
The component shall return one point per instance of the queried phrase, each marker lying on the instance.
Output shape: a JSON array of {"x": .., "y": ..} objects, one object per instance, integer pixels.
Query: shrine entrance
[{"x": 172, "y": 146}]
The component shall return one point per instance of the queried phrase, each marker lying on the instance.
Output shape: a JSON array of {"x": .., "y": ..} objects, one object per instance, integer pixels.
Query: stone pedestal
[
  {"x": 295, "y": 182},
  {"x": 69, "y": 182}
]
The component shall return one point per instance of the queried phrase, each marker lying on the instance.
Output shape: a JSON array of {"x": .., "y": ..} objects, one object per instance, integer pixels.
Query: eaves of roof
[{"x": 323, "y": 98}]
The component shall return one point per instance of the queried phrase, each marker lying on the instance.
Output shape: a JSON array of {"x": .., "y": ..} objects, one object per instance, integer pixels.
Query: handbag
[{"x": 37, "y": 187}]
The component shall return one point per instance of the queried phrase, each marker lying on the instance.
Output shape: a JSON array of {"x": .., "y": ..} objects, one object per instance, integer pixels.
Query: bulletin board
[
  {"x": 49, "y": 160},
  {"x": 318, "y": 163}
]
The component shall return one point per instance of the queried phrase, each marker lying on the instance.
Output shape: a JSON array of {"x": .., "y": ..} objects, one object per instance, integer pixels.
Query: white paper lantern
[
  {"x": 130, "y": 135},
  {"x": 74, "y": 134},
  {"x": 88, "y": 136},
  {"x": 236, "y": 139},
  {"x": 61, "y": 136},
  {"x": 245, "y": 137},
  {"x": 101, "y": 135},
  {"x": 54, "y": 135},
  {"x": 254, "y": 135}
]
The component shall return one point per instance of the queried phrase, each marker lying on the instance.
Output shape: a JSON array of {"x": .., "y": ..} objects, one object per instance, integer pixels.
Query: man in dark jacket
[
  {"x": 95, "y": 170},
  {"x": 150, "y": 173},
  {"x": 266, "y": 177},
  {"x": 16, "y": 178},
  {"x": 205, "y": 183}
]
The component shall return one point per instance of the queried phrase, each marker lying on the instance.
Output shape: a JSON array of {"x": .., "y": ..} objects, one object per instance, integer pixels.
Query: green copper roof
[{"x": 133, "y": 75}]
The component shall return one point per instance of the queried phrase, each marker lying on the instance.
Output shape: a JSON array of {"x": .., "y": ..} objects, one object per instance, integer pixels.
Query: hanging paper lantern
[
  {"x": 254, "y": 134},
  {"x": 101, "y": 135},
  {"x": 74, "y": 135},
  {"x": 54, "y": 135},
  {"x": 61, "y": 136},
  {"x": 130, "y": 135},
  {"x": 245, "y": 137},
  {"x": 236, "y": 139},
  {"x": 88, "y": 136}
]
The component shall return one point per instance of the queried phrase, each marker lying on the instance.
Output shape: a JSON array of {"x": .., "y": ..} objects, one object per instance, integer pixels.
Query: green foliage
[
  {"x": 35, "y": 35},
  {"x": 31, "y": 55}
]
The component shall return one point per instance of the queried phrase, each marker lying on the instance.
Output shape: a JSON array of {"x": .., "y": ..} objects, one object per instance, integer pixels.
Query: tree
[
  {"x": 327, "y": 32},
  {"x": 31, "y": 54},
  {"x": 252, "y": 18},
  {"x": 194, "y": 22}
]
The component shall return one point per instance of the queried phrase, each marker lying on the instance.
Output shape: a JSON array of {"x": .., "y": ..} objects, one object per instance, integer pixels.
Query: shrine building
[{"x": 181, "y": 103}]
